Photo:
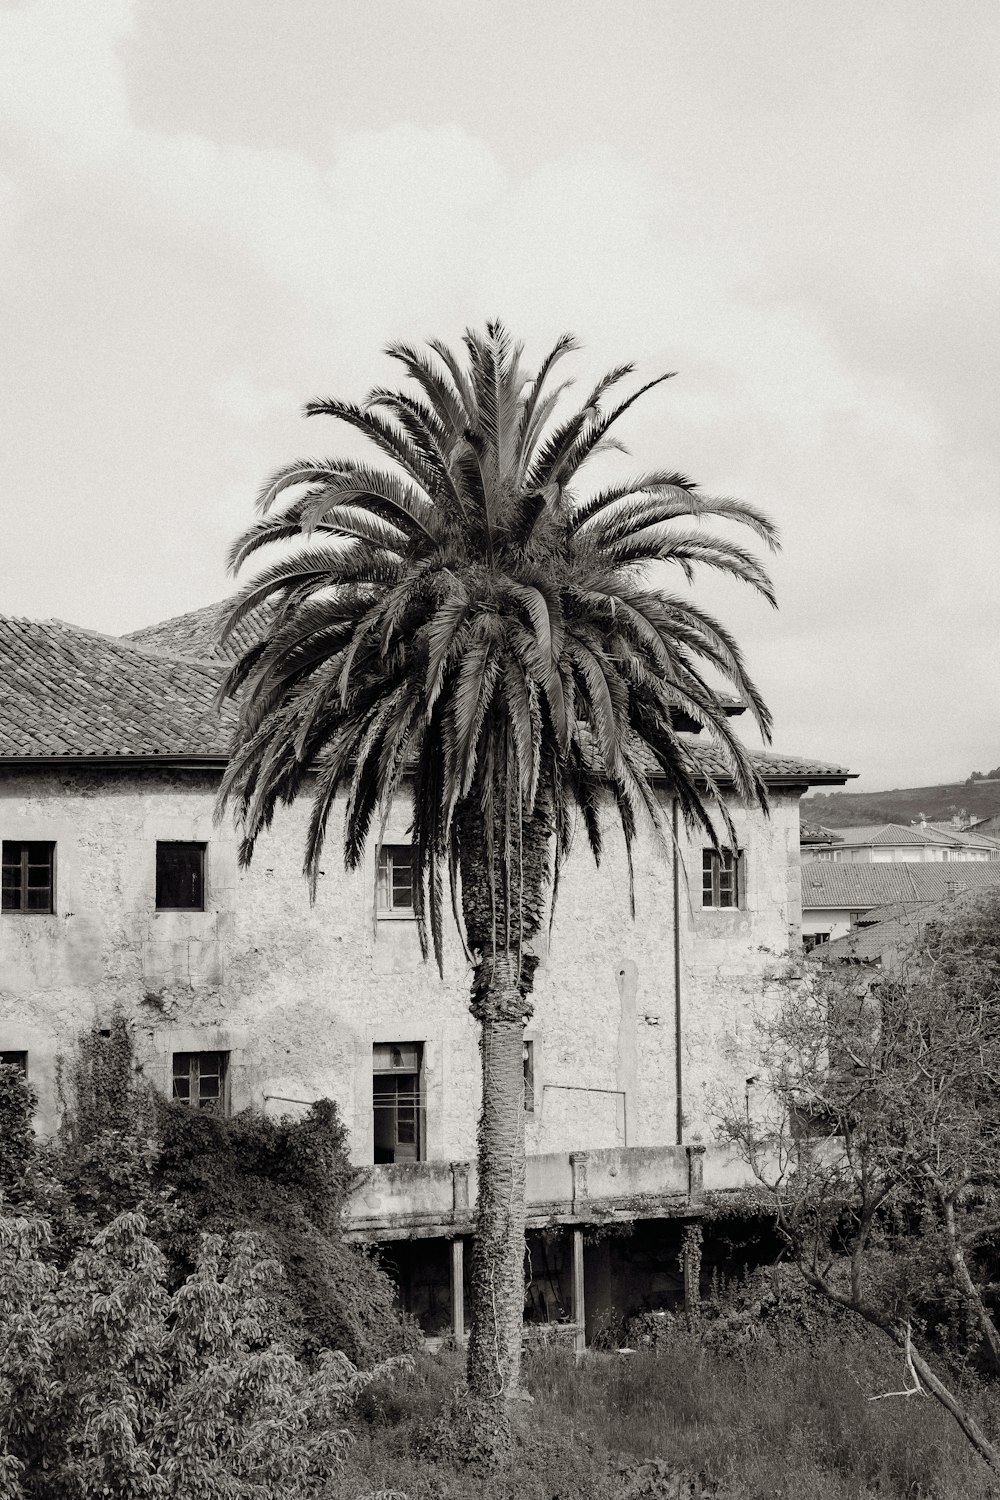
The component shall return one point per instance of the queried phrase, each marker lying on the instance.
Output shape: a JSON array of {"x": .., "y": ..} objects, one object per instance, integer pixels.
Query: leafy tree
[
  {"x": 877, "y": 1137},
  {"x": 112, "y": 1385},
  {"x": 287, "y": 1182},
  {"x": 462, "y": 617}
]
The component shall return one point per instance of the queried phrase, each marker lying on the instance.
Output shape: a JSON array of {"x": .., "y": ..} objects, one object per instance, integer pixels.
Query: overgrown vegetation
[
  {"x": 877, "y": 1138},
  {"x": 113, "y": 1384},
  {"x": 287, "y": 1182},
  {"x": 179, "y": 1312},
  {"x": 770, "y": 1421}
]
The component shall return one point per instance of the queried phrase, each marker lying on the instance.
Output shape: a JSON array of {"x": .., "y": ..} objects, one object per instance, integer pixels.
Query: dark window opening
[
  {"x": 721, "y": 880},
  {"x": 813, "y": 940},
  {"x": 28, "y": 876},
  {"x": 18, "y": 1060},
  {"x": 529, "y": 1078},
  {"x": 200, "y": 1080},
  {"x": 395, "y": 880},
  {"x": 180, "y": 877},
  {"x": 397, "y": 1099}
]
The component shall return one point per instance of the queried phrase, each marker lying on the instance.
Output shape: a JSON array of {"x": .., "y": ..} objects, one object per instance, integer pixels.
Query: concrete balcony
[{"x": 420, "y": 1200}]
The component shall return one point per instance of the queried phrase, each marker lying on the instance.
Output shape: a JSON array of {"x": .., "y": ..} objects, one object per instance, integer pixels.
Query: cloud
[{"x": 179, "y": 295}]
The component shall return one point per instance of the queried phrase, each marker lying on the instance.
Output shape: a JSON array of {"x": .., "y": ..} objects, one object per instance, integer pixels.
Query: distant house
[
  {"x": 837, "y": 898},
  {"x": 892, "y": 843},
  {"x": 813, "y": 837},
  {"x": 884, "y": 932},
  {"x": 988, "y": 827}
]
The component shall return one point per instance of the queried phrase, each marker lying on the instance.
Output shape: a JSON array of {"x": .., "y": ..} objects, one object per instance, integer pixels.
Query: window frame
[
  {"x": 23, "y": 865},
  {"x": 386, "y": 909},
  {"x": 194, "y": 845},
  {"x": 388, "y": 1098},
  {"x": 528, "y": 1065},
  {"x": 218, "y": 1103},
  {"x": 9, "y": 1053},
  {"x": 714, "y": 863}
]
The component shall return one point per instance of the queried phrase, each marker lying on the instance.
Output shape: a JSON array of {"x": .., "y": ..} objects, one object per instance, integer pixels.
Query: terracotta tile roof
[
  {"x": 913, "y": 835},
  {"x": 196, "y": 634},
  {"x": 862, "y": 886},
  {"x": 879, "y": 834},
  {"x": 964, "y": 836},
  {"x": 815, "y": 833},
  {"x": 774, "y": 768},
  {"x": 74, "y": 693},
  {"x": 899, "y": 926}
]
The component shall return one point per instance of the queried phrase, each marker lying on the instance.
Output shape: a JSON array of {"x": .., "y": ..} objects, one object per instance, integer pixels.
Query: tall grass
[{"x": 766, "y": 1424}]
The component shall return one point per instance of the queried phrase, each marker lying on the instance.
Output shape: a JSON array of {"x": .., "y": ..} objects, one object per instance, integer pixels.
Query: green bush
[
  {"x": 112, "y": 1384},
  {"x": 288, "y": 1182},
  {"x": 121, "y": 1149}
]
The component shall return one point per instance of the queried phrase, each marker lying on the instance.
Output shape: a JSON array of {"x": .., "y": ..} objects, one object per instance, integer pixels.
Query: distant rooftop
[
  {"x": 815, "y": 833},
  {"x": 858, "y": 887},
  {"x": 912, "y": 835},
  {"x": 899, "y": 926}
]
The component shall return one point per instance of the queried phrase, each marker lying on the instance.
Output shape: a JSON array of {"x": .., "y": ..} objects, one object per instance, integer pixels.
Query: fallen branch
[{"x": 916, "y": 1389}]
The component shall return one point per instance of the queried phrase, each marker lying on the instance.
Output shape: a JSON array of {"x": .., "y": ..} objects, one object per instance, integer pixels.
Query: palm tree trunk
[
  {"x": 497, "y": 1300},
  {"x": 503, "y": 898}
]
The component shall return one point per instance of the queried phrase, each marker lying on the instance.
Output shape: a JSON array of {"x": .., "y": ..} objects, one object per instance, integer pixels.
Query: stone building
[{"x": 120, "y": 889}]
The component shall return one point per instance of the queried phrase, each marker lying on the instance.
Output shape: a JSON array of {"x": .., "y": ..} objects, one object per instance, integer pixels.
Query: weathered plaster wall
[{"x": 299, "y": 994}]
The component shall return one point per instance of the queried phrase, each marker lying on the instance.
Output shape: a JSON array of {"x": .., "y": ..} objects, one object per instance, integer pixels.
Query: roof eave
[{"x": 69, "y": 761}]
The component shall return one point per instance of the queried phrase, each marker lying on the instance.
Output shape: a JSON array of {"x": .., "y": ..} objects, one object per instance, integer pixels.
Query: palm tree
[{"x": 464, "y": 620}]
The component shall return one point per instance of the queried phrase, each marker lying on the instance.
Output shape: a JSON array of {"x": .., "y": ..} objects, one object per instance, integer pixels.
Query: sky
[{"x": 212, "y": 211}]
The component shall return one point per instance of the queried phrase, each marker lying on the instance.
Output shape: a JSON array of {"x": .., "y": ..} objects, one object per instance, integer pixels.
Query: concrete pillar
[
  {"x": 578, "y": 1166},
  {"x": 691, "y": 1266},
  {"x": 460, "y": 1188},
  {"x": 458, "y": 1290},
  {"x": 579, "y": 1304},
  {"x": 696, "y": 1173}
]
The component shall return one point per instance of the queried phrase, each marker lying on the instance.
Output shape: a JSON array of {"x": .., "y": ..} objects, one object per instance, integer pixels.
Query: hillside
[{"x": 980, "y": 799}]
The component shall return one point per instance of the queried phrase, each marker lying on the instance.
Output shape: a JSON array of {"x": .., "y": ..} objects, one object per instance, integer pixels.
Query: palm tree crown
[{"x": 463, "y": 615}]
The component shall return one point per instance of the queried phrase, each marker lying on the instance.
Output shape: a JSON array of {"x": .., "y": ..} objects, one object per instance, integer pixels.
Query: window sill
[
  {"x": 11, "y": 911},
  {"x": 395, "y": 916}
]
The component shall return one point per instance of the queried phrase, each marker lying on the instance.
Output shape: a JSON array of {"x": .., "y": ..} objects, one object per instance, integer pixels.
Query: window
[
  {"x": 529, "y": 1078},
  {"x": 394, "y": 886},
  {"x": 397, "y": 1099},
  {"x": 17, "y": 1060},
  {"x": 200, "y": 1080},
  {"x": 811, "y": 940},
  {"x": 721, "y": 878},
  {"x": 180, "y": 877},
  {"x": 29, "y": 877}
]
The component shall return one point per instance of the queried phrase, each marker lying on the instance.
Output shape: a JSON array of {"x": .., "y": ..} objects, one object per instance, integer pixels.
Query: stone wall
[{"x": 298, "y": 995}]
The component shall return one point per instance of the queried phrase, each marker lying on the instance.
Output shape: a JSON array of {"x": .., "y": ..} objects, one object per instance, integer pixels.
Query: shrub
[
  {"x": 18, "y": 1148},
  {"x": 287, "y": 1181},
  {"x": 111, "y": 1384}
]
